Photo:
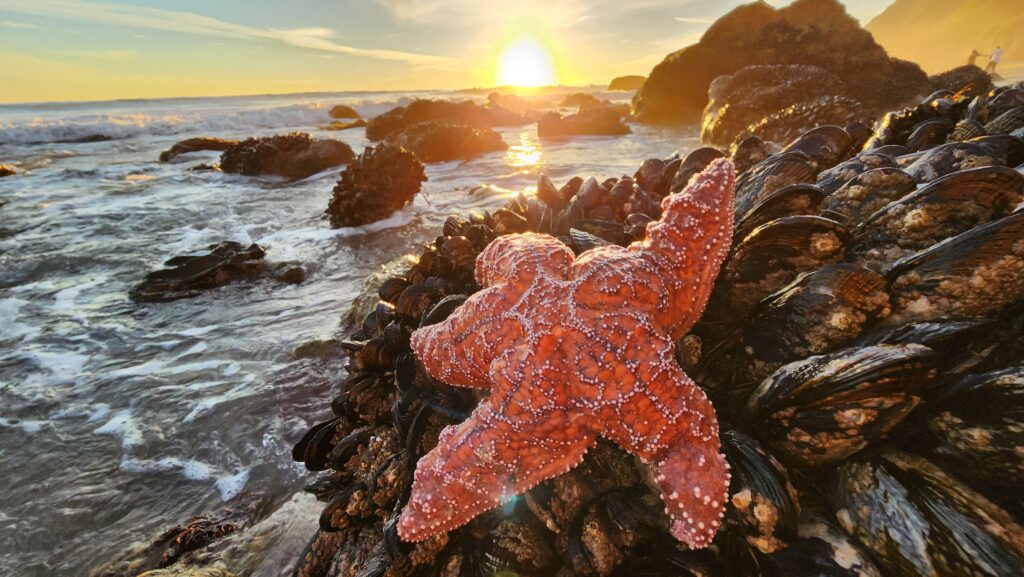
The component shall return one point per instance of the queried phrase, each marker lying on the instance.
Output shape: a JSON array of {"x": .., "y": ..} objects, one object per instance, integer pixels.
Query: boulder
[
  {"x": 785, "y": 125},
  {"x": 739, "y": 100},
  {"x": 339, "y": 125},
  {"x": 195, "y": 145},
  {"x": 581, "y": 99},
  {"x": 972, "y": 78},
  {"x": 434, "y": 141},
  {"x": 815, "y": 32},
  {"x": 293, "y": 156},
  {"x": 380, "y": 181},
  {"x": 342, "y": 111},
  {"x": 595, "y": 121},
  {"x": 465, "y": 112},
  {"x": 225, "y": 263},
  {"x": 6, "y": 171},
  {"x": 525, "y": 106},
  {"x": 627, "y": 83}
]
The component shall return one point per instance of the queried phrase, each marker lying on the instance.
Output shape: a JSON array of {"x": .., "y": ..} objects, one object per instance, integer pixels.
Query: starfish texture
[{"x": 576, "y": 348}]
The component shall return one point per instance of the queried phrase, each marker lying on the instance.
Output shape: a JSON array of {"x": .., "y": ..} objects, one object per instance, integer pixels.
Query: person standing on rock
[
  {"x": 993, "y": 61},
  {"x": 972, "y": 60}
]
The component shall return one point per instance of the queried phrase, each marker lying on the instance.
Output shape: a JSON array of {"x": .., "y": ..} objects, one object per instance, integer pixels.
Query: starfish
[{"x": 576, "y": 348}]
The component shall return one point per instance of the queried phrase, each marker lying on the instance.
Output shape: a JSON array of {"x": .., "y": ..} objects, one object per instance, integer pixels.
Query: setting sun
[{"x": 526, "y": 61}]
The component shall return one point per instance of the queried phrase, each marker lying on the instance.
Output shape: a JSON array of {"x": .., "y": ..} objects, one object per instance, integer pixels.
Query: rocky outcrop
[
  {"x": 293, "y": 156},
  {"x": 434, "y": 141},
  {"x": 971, "y": 78},
  {"x": 739, "y": 100},
  {"x": 382, "y": 180},
  {"x": 195, "y": 145},
  {"x": 6, "y": 171},
  {"x": 343, "y": 112},
  {"x": 225, "y": 263},
  {"x": 467, "y": 113},
  {"x": 814, "y": 32},
  {"x": 627, "y": 83},
  {"x": 339, "y": 125},
  {"x": 595, "y": 121}
]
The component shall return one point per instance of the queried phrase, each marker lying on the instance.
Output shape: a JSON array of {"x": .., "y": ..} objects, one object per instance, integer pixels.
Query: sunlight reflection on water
[{"x": 526, "y": 153}]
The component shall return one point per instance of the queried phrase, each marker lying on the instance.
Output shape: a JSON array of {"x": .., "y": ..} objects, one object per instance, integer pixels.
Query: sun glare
[{"x": 525, "y": 61}]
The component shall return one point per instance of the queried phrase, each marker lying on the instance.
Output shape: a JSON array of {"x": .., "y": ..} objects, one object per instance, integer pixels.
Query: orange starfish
[{"x": 573, "y": 349}]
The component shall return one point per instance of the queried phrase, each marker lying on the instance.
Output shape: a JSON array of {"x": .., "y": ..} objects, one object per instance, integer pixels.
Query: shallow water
[{"x": 119, "y": 420}]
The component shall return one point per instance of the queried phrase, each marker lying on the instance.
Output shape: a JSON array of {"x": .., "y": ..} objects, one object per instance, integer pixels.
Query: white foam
[
  {"x": 123, "y": 425},
  {"x": 198, "y": 331},
  {"x": 286, "y": 238},
  {"x": 196, "y": 470},
  {"x": 63, "y": 367},
  {"x": 29, "y": 427},
  {"x": 231, "y": 485},
  {"x": 64, "y": 300}
]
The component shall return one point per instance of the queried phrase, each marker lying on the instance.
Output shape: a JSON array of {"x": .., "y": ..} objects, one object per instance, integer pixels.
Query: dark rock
[
  {"x": 6, "y": 171},
  {"x": 440, "y": 142},
  {"x": 194, "y": 145},
  {"x": 342, "y": 111},
  {"x": 516, "y": 103},
  {"x": 339, "y": 125},
  {"x": 382, "y": 180},
  {"x": 815, "y": 32},
  {"x": 627, "y": 83},
  {"x": 190, "y": 275},
  {"x": 792, "y": 121},
  {"x": 466, "y": 112},
  {"x": 972, "y": 78},
  {"x": 581, "y": 99},
  {"x": 296, "y": 155},
  {"x": 741, "y": 99},
  {"x": 595, "y": 121},
  {"x": 88, "y": 139}
]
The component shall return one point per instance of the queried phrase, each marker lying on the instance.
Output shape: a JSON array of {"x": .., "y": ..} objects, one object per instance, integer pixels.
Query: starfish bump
[{"x": 573, "y": 349}]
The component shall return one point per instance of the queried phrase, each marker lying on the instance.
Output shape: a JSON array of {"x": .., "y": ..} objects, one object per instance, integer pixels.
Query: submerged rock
[
  {"x": 6, "y": 171},
  {"x": 466, "y": 112},
  {"x": 339, "y": 125},
  {"x": 227, "y": 262},
  {"x": 342, "y": 111},
  {"x": 194, "y": 145},
  {"x": 293, "y": 156},
  {"x": 815, "y": 32},
  {"x": 594, "y": 121},
  {"x": 382, "y": 180},
  {"x": 627, "y": 83},
  {"x": 434, "y": 141}
]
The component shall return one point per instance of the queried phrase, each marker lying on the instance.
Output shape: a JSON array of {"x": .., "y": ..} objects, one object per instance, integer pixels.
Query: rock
[
  {"x": 6, "y": 171},
  {"x": 293, "y": 156},
  {"x": 339, "y": 125},
  {"x": 215, "y": 571},
  {"x": 580, "y": 99},
  {"x": 382, "y": 180},
  {"x": 196, "y": 144},
  {"x": 465, "y": 112},
  {"x": 227, "y": 262},
  {"x": 342, "y": 111},
  {"x": 815, "y": 32},
  {"x": 963, "y": 77},
  {"x": 434, "y": 141},
  {"x": 596, "y": 121},
  {"x": 739, "y": 100},
  {"x": 525, "y": 106},
  {"x": 787, "y": 124},
  {"x": 627, "y": 83}
]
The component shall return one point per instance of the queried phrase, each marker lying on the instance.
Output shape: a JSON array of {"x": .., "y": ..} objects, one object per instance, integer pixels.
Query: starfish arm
[
  {"x": 671, "y": 424},
  {"x": 460, "y": 349},
  {"x": 516, "y": 259},
  {"x": 481, "y": 463},
  {"x": 688, "y": 244}
]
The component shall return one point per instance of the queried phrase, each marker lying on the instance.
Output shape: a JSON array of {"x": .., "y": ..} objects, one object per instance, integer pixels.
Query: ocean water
[{"x": 119, "y": 420}]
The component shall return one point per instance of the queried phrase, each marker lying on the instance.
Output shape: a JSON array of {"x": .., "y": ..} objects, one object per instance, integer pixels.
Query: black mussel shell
[
  {"x": 826, "y": 146},
  {"x": 867, "y": 192},
  {"x": 834, "y": 178},
  {"x": 694, "y": 163}
]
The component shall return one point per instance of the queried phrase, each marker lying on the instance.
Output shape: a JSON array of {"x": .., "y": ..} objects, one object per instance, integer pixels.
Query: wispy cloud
[
  {"x": 321, "y": 39},
  {"x": 693, "y": 20},
  {"x": 14, "y": 24}
]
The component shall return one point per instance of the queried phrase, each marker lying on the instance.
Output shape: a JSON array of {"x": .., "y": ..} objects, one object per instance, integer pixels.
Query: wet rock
[
  {"x": 339, "y": 125},
  {"x": 815, "y": 32},
  {"x": 194, "y": 145},
  {"x": 596, "y": 121},
  {"x": 790, "y": 122},
  {"x": 627, "y": 83},
  {"x": 434, "y": 141},
  {"x": 225, "y": 263},
  {"x": 342, "y": 111},
  {"x": 382, "y": 180},
  {"x": 973, "y": 79},
  {"x": 293, "y": 156},
  {"x": 738, "y": 100},
  {"x": 6, "y": 171},
  {"x": 216, "y": 571},
  {"x": 466, "y": 112}
]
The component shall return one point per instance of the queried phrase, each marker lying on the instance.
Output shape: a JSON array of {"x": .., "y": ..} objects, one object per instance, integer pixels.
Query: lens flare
[{"x": 526, "y": 61}]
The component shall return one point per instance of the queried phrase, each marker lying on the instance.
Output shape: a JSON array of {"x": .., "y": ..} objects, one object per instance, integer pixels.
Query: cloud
[
  {"x": 13, "y": 24},
  {"x": 691, "y": 20},
  {"x": 320, "y": 39}
]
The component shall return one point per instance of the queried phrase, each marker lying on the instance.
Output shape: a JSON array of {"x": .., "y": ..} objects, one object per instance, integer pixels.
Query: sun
[{"x": 526, "y": 61}]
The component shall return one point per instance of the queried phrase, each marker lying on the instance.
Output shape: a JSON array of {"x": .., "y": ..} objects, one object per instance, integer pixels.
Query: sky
[{"x": 61, "y": 50}]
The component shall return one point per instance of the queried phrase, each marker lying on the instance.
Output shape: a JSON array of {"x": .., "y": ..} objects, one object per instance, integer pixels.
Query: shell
[
  {"x": 949, "y": 158},
  {"x": 771, "y": 175},
  {"x": 928, "y": 134},
  {"x": 834, "y": 178},
  {"x": 1006, "y": 122},
  {"x": 826, "y": 146},
  {"x": 965, "y": 130},
  {"x": 790, "y": 201},
  {"x": 748, "y": 152},
  {"x": 694, "y": 163},
  {"x": 825, "y": 408},
  {"x": 868, "y": 192}
]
